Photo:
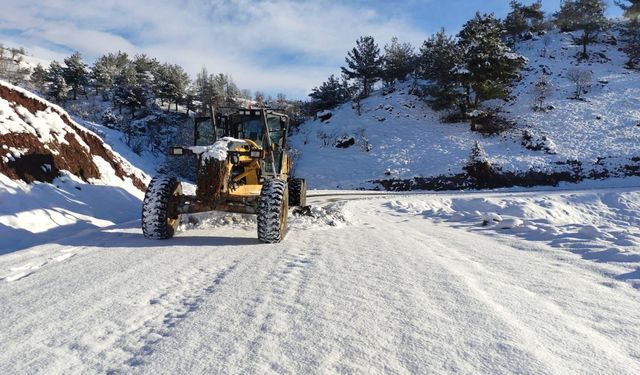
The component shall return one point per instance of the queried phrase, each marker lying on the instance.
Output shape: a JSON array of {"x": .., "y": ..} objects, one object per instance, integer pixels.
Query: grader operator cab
[{"x": 242, "y": 167}]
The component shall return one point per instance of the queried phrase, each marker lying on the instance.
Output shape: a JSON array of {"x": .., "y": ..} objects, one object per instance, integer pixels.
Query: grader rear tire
[
  {"x": 297, "y": 192},
  {"x": 273, "y": 209},
  {"x": 159, "y": 209}
]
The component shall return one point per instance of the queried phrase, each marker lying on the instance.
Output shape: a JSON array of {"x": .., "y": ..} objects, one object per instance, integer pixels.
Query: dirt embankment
[{"x": 40, "y": 163}]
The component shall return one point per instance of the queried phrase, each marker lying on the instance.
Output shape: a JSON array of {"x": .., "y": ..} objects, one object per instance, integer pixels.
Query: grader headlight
[{"x": 177, "y": 151}]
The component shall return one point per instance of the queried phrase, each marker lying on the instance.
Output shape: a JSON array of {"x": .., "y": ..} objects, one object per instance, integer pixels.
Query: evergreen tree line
[
  {"x": 140, "y": 82},
  {"x": 477, "y": 64},
  {"x": 131, "y": 83}
]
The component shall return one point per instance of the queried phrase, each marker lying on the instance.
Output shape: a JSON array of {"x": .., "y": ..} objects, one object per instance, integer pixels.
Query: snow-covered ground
[
  {"x": 375, "y": 284},
  {"x": 33, "y": 214},
  {"x": 407, "y": 139}
]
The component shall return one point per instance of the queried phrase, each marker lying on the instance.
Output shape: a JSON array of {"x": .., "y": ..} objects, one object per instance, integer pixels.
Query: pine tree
[
  {"x": 515, "y": 23},
  {"x": 57, "y": 87},
  {"x": 329, "y": 94},
  {"x": 171, "y": 82},
  {"x": 364, "y": 64},
  {"x": 631, "y": 31},
  {"x": 203, "y": 90},
  {"x": 439, "y": 56},
  {"x": 146, "y": 70},
  {"x": 128, "y": 90},
  {"x": 398, "y": 61},
  {"x": 105, "y": 71},
  {"x": 348, "y": 90},
  {"x": 585, "y": 15},
  {"x": 534, "y": 15},
  {"x": 180, "y": 82},
  {"x": 478, "y": 155},
  {"x": 39, "y": 77},
  {"x": 75, "y": 73},
  {"x": 479, "y": 166},
  {"x": 190, "y": 98},
  {"x": 489, "y": 66},
  {"x": 224, "y": 90},
  {"x": 524, "y": 18}
]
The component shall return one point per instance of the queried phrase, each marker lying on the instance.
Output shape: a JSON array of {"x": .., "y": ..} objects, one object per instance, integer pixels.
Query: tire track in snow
[
  {"x": 415, "y": 312},
  {"x": 269, "y": 314},
  {"x": 100, "y": 308},
  {"x": 172, "y": 306},
  {"x": 37, "y": 263}
]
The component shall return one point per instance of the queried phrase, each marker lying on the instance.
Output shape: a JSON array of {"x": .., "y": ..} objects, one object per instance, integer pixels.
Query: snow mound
[
  {"x": 310, "y": 217},
  {"x": 600, "y": 225},
  {"x": 216, "y": 219},
  {"x": 329, "y": 215}
]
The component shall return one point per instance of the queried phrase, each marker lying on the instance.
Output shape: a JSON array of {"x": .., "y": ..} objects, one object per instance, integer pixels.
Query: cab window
[{"x": 204, "y": 132}]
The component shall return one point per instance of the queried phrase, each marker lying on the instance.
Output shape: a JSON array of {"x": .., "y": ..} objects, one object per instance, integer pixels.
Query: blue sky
[{"x": 268, "y": 45}]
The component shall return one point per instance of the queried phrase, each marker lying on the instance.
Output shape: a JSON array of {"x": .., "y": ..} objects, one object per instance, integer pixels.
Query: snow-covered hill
[
  {"x": 398, "y": 137},
  {"x": 55, "y": 175}
]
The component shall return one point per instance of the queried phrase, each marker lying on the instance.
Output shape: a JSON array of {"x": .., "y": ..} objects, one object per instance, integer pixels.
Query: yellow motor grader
[{"x": 242, "y": 167}]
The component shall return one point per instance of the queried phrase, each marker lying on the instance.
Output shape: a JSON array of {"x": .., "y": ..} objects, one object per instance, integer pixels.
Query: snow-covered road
[{"x": 379, "y": 291}]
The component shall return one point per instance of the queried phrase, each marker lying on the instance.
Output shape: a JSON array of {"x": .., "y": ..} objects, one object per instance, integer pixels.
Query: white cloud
[{"x": 272, "y": 46}]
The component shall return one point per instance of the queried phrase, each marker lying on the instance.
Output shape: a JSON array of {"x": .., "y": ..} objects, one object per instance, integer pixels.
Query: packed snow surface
[{"x": 511, "y": 282}]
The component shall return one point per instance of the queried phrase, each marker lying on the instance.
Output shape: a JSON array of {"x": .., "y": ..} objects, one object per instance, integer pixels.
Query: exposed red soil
[{"x": 72, "y": 156}]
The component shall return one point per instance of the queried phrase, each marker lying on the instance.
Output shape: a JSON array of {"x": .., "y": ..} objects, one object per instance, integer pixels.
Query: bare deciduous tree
[
  {"x": 542, "y": 90},
  {"x": 582, "y": 78}
]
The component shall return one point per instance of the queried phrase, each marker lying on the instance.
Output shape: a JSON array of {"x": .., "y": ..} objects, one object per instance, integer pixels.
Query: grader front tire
[
  {"x": 273, "y": 209},
  {"x": 159, "y": 209}
]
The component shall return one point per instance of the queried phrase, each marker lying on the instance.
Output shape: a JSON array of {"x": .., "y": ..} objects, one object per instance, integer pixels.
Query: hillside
[
  {"x": 410, "y": 147},
  {"x": 55, "y": 175}
]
